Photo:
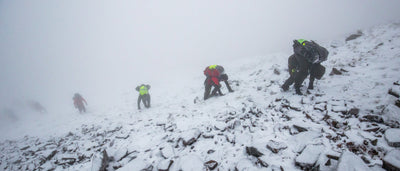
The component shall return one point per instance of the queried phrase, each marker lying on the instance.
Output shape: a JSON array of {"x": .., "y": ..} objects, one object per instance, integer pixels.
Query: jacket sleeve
[
  {"x": 148, "y": 87},
  {"x": 137, "y": 88}
]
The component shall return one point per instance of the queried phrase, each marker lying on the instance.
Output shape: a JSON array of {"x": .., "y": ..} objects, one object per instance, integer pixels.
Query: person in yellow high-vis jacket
[{"x": 143, "y": 95}]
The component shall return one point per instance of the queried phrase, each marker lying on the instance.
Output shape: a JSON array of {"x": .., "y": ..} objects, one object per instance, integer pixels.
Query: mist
[{"x": 51, "y": 49}]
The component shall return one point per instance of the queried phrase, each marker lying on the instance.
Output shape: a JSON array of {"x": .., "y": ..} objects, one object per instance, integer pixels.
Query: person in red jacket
[
  {"x": 78, "y": 102},
  {"x": 212, "y": 80}
]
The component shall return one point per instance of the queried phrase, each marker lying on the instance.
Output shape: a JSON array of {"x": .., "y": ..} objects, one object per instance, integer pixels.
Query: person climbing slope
[
  {"x": 214, "y": 74},
  {"x": 306, "y": 60},
  {"x": 78, "y": 102},
  {"x": 143, "y": 95}
]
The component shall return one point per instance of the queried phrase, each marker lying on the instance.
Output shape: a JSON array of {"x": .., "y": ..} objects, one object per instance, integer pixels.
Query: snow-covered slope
[{"x": 339, "y": 123}]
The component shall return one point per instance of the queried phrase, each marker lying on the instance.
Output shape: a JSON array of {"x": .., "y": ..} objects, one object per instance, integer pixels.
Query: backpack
[{"x": 310, "y": 50}]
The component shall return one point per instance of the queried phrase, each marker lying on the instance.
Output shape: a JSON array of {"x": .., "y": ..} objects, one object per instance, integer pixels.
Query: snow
[{"x": 221, "y": 127}]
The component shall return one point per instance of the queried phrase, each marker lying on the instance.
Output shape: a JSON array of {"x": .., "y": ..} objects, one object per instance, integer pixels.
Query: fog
[{"x": 52, "y": 49}]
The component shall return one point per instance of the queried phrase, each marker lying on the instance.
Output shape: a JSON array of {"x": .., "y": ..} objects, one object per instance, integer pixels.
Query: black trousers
[
  {"x": 298, "y": 70},
  {"x": 208, "y": 89},
  {"x": 146, "y": 100},
  {"x": 81, "y": 108}
]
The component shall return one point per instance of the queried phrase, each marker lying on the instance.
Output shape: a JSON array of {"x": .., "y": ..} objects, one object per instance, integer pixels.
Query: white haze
[{"x": 52, "y": 49}]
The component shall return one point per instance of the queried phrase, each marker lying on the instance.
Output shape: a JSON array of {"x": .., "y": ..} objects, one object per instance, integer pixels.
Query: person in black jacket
[
  {"x": 143, "y": 95},
  {"x": 306, "y": 60}
]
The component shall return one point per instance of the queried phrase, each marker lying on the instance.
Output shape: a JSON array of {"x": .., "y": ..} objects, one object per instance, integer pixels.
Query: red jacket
[
  {"x": 212, "y": 76},
  {"x": 78, "y": 101}
]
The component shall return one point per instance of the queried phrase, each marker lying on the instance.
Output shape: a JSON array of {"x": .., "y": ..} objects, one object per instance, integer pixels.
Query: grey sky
[{"x": 51, "y": 49}]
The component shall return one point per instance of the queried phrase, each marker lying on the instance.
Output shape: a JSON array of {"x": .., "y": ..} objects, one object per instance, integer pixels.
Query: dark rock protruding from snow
[
  {"x": 275, "y": 146},
  {"x": 392, "y": 137},
  {"x": 354, "y": 111},
  {"x": 190, "y": 136},
  {"x": 309, "y": 156},
  {"x": 349, "y": 161},
  {"x": 372, "y": 118},
  {"x": 253, "y": 152},
  {"x": 391, "y": 161},
  {"x": 300, "y": 128},
  {"x": 212, "y": 164},
  {"x": 354, "y": 36},
  {"x": 335, "y": 72}
]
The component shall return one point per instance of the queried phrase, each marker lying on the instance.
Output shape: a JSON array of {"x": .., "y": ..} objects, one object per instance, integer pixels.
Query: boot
[{"x": 298, "y": 92}]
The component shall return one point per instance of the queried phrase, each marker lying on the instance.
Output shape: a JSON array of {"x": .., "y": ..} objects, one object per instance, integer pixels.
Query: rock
[
  {"x": 374, "y": 142},
  {"x": 212, "y": 164},
  {"x": 349, "y": 161},
  {"x": 261, "y": 161},
  {"x": 394, "y": 93},
  {"x": 191, "y": 136},
  {"x": 210, "y": 151},
  {"x": 277, "y": 72},
  {"x": 253, "y": 152},
  {"x": 309, "y": 156},
  {"x": 275, "y": 146},
  {"x": 353, "y": 111},
  {"x": 165, "y": 165},
  {"x": 167, "y": 152},
  {"x": 392, "y": 137},
  {"x": 391, "y": 161},
  {"x": 354, "y": 36},
  {"x": 335, "y": 72},
  {"x": 372, "y": 118},
  {"x": 300, "y": 128}
]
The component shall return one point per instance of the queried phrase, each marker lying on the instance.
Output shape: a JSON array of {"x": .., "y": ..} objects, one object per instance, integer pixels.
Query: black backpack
[{"x": 311, "y": 51}]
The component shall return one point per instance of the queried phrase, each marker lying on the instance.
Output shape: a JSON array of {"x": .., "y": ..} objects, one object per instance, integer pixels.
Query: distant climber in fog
[
  {"x": 214, "y": 74},
  {"x": 36, "y": 106},
  {"x": 78, "y": 102},
  {"x": 143, "y": 95}
]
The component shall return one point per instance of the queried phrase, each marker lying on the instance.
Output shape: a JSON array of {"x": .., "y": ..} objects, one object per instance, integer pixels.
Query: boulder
[
  {"x": 392, "y": 137},
  {"x": 190, "y": 137},
  {"x": 309, "y": 157},
  {"x": 164, "y": 165},
  {"x": 391, "y": 161},
  {"x": 372, "y": 118},
  {"x": 167, "y": 152},
  {"x": 349, "y": 161},
  {"x": 212, "y": 164}
]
